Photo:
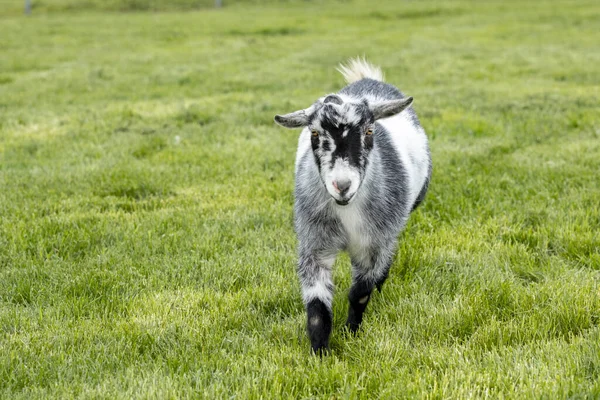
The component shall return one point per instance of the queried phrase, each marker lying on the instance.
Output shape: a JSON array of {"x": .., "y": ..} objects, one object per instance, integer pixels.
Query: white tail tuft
[{"x": 358, "y": 68}]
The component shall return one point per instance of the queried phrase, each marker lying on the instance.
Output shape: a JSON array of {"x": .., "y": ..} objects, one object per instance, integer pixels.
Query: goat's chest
[{"x": 355, "y": 229}]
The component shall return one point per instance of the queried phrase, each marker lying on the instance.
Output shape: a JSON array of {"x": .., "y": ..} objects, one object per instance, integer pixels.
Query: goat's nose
[{"x": 342, "y": 186}]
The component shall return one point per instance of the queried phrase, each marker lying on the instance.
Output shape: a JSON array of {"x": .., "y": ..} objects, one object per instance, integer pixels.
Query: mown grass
[{"x": 146, "y": 242}]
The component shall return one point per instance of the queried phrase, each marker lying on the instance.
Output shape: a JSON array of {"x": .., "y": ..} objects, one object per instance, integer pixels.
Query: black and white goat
[{"x": 363, "y": 164}]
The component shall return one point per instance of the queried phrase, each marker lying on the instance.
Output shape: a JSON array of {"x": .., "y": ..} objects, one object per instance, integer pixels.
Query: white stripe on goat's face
[{"x": 341, "y": 146}]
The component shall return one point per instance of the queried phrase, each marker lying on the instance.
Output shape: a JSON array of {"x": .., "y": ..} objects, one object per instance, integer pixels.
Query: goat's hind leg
[
  {"x": 317, "y": 291},
  {"x": 365, "y": 277},
  {"x": 359, "y": 296}
]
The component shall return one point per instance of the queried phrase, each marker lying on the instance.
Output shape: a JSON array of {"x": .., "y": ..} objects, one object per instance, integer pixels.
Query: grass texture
[{"x": 146, "y": 240}]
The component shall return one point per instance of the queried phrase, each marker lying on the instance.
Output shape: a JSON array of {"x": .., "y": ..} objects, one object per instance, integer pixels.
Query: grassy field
[{"x": 146, "y": 241}]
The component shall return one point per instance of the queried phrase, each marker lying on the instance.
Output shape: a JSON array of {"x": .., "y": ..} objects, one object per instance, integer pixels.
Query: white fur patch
[
  {"x": 358, "y": 68},
  {"x": 349, "y": 114},
  {"x": 359, "y": 240},
  {"x": 341, "y": 171},
  {"x": 411, "y": 144},
  {"x": 304, "y": 146},
  {"x": 320, "y": 289}
]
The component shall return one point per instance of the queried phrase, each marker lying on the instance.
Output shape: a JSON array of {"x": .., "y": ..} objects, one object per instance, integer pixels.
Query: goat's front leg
[
  {"x": 314, "y": 272},
  {"x": 367, "y": 273}
]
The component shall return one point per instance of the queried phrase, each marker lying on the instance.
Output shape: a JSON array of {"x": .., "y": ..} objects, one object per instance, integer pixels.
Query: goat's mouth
[{"x": 343, "y": 202}]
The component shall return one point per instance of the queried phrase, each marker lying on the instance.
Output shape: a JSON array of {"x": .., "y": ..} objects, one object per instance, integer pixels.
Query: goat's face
[{"x": 342, "y": 139}]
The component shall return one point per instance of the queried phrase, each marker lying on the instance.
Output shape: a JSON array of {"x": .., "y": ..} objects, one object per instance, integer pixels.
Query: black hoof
[
  {"x": 353, "y": 326},
  {"x": 320, "y": 350}
]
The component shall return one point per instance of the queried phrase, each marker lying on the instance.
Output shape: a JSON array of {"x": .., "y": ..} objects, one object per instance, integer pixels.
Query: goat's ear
[
  {"x": 388, "y": 108},
  {"x": 333, "y": 98},
  {"x": 293, "y": 120}
]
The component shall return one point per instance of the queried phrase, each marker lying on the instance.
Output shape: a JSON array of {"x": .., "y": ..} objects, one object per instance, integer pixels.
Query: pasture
[{"x": 146, "y": 239}]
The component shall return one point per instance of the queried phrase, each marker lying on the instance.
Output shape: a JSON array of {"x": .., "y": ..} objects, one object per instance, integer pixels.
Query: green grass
[{"x": 146, "y": 241}]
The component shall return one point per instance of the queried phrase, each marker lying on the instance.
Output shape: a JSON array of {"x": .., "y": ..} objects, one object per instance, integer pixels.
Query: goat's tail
[{"x": 358, "y": 68}]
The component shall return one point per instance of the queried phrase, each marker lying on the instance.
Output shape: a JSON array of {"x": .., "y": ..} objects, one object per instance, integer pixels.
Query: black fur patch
[
  {"x": 360, "y": 289},
  {"x": 353, "y": 145},
  {"x": 319, "y": 320},
  {"x": 368, "y": 142}
]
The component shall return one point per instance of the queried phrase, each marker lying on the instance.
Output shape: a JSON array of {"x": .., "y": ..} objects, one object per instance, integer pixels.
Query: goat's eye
[
  {"x": 315, "y": 133},
  {"x": 369, "y": 131}
]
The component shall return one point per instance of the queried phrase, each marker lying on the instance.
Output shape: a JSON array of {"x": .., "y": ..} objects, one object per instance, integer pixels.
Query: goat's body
[
  {"x": 395, "y": 182},
  {"x": 396, "y": 178}
]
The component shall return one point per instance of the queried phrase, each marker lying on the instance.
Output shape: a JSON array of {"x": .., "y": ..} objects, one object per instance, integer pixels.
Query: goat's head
[{"x": 342, "y": 137}]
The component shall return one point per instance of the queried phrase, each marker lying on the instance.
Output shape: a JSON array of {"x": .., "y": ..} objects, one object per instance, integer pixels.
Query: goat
[{"x": 362, "y": 165}]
